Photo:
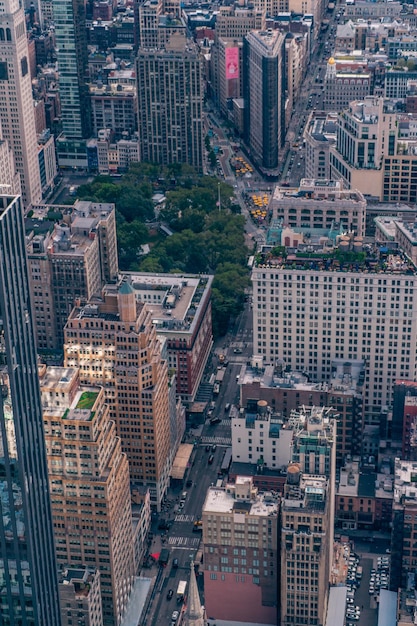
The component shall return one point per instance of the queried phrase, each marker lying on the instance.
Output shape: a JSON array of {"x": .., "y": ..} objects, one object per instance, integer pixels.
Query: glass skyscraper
[
  {"x": 28, "y": 573},
  {"x": 71, "y": 42}
]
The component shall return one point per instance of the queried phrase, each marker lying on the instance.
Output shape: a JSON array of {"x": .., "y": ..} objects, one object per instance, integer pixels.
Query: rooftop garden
[
  {"x": 374, "y": 260},
  {"x": 87, "y": 400}
]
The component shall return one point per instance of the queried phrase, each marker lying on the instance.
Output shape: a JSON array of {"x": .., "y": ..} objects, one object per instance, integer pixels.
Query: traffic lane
[{"x": 164, "y": 608}]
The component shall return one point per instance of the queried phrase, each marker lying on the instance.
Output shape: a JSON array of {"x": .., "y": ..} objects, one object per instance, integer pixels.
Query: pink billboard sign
[{"x": 232, "y": 63}]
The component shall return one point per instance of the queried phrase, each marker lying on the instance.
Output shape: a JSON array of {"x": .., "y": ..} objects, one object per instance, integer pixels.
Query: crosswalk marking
[
  {"x": 184, "y": 518},
  {"x": 179, "y": 542},
  {"x": 221, "y": 441}
]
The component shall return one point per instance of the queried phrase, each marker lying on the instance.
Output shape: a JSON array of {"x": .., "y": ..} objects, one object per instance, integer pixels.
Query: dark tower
[{"x": 28, "y": 573}]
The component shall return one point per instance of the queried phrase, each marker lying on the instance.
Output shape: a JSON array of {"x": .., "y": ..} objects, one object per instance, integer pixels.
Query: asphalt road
[{"x": 180, "y": 539}]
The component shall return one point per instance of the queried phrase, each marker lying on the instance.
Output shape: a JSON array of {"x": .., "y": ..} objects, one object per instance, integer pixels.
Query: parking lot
[{"x": 363, "y": 594}]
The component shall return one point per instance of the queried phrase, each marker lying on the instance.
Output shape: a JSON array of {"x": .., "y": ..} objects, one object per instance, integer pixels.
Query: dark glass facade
[{"x": 28, "y": 573}]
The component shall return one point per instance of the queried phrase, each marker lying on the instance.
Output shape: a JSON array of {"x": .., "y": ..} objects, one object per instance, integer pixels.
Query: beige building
[
  {"x": 319, "y": 135},
  {"x": 343, "y": 84},
  {"x": 89, "y": 484},
  {"x": 9, "y": 177},
  {"x": 181, "y": 312},
  {"x": 351, "y": 303},
  {"x": 320, "y": 204},
  {"x": 68, "y": 260},
  {"x": 307, "y": 516},
  {"x": 80, "y": 596},
  {"x": 114, "y": 106},
  {"x": 240, "y": 536},
  {"x": 296, "y": 60},
  {"x": 372, "y": 155},
  {"x": 17, "y": 117},
  {"x": 113, "y": 342},
  {"x": 406, "y": 236},
  {"x": 235, "y": 22},
  {"x": 171, "y": 125}
]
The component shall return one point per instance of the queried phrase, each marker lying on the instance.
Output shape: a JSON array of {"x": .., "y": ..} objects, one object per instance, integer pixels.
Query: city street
[{"x": 182, "y": 541}]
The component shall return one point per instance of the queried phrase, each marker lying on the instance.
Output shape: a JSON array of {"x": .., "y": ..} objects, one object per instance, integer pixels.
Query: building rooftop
[
  {"x": 405, "y": 485},
  {"x": 371, "y": 259},
  {"x": 317, "y": 190},
  {"x": 409, "y": 230},
  {"x": 347, "y": 377},
  {"x": 386, "y": 224},
  {"x": 223, "y": 500},
  {"x": 322, "y": 126},
  {"x": 310, "y": 493},
  {"x": 174, "y": 299},
  {"x": 81, "y": 578}
]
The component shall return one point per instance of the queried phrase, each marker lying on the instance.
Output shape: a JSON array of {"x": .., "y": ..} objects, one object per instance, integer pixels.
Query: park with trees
[{"x": 206, "y": 238}]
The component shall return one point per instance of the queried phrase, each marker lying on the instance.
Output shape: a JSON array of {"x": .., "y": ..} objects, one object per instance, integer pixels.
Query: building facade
[
  {"x": 28, "y": 570},
  {"x": 264, "y": 120},
  {"x": 320, "y": 204},
  {"x": 404, "y": 524},
  {"x": 170, "y": 101},
  {"x": 67, "y": 261},
  {"x": 319, "y": 135},
  {"x": 306, "y": 548},
  {"x": 80, "y": 594},
  {"x": 71, "y": 43},
  {"x": 285, "y": 393},
  {"x": 17, "y": 117},
  {"x": 308, "y": 312},
  {"x": 240, "y": 536},
  {"x": 113, "y": 342},
  {"x": 89, "y": 483},
  {"x": 181, "y": 312}
]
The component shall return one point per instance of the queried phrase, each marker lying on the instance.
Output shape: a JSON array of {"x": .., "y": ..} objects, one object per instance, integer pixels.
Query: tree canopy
[{"x": 207, "y": 238}]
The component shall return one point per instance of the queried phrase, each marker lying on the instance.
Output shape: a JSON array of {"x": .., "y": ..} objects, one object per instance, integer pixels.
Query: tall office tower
[
  {"x": 345, "y": 83},
  {"x": 28, "y": 571},
  {"x": 345, "y": 304},
  {"x": 89, "y": 483},
  {"x": 170, "y": 103},
  {"x": 17, "y": 117},
  {"x": 264, "y": 124},
  {"x": 113, "y": 342},
  {"x": 67, "y": 261},
  {"x": 307, "y": 517},
  {"x": 240, "y": 536},
  {"x": 71, "y": 42}
]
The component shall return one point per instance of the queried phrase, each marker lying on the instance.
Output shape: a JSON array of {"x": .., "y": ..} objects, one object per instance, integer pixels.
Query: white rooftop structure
[{"x": 226, "y": 499}]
